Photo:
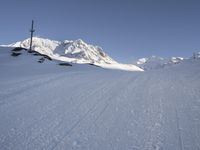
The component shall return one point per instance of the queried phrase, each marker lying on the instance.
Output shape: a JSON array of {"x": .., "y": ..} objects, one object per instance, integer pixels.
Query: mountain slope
[
  {"x": 83, "y": 107},
  {"x": 74, "y": 51}
]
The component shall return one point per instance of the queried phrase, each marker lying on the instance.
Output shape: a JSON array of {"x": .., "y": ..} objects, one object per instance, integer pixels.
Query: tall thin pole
[{"x": 32, "y": 30}]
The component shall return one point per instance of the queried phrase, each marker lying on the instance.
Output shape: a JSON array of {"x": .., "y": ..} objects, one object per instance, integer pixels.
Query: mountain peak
[{"x": 80, "y": 41}]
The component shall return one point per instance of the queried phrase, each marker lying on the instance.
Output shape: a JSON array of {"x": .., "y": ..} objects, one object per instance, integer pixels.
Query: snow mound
[{"x": 74, "y": 52}]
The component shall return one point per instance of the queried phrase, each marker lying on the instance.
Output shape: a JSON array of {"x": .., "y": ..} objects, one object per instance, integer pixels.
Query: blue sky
[{"x": 125, "y": 29}]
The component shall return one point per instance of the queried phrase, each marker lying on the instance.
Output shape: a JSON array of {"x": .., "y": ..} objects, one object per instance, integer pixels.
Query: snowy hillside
[
  {"x": 74, "y": 51},
  {"x": 155, "y": 62},
  {"x": 50, "y": 107}
]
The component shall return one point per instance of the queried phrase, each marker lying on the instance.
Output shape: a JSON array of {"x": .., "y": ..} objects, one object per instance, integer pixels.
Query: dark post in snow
[{"x": 32, "y": 30}]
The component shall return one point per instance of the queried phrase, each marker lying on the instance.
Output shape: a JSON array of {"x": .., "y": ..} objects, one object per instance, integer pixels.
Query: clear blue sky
[{"x": 125, "y": 29}]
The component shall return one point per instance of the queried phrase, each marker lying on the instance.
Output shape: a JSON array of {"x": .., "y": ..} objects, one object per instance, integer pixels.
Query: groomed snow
[{"x": 50, "y": 107}]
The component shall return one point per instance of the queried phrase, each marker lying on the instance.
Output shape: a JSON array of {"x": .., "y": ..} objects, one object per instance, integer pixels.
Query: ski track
[
  {"x": 93, "y": 110},
  {"x": 109, "y": 110},
  {"x": 48, "y": 109},
  {"x": 59, "y": 122}
]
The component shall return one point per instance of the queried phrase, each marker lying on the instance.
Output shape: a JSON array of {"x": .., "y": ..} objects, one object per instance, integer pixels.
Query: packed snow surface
[{"x": 50, "y": 107}]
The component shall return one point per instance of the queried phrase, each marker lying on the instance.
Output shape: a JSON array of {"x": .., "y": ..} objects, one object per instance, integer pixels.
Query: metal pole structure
[{"x": 32, "y": 30}]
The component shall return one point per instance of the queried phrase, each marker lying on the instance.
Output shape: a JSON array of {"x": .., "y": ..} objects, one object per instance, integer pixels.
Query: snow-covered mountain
[
  {"x": 155, "y": 62},
  {"x": 74, "y": 52},
  {"x": 196, "y": 55}
]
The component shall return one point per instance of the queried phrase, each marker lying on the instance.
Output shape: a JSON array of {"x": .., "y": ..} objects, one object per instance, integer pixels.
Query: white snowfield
[
  {"x": 50, "y": 107},
  {"x": 74, "y": 52}
]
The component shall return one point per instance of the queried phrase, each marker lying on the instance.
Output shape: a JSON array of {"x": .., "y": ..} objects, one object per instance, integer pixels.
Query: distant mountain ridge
[
  {"x": 79, "y": 52},
  {"x": 75, "y": 52},
  {"x": 156, "y": 62}
]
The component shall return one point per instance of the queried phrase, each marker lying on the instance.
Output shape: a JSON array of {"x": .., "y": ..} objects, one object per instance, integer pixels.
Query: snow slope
[
  {"x": 46, "y": 107},
  {"x": 74, "y": 51}
]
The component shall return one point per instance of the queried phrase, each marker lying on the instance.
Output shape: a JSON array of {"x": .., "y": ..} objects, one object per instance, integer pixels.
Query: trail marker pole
[{"x": 31, "y": 40}]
